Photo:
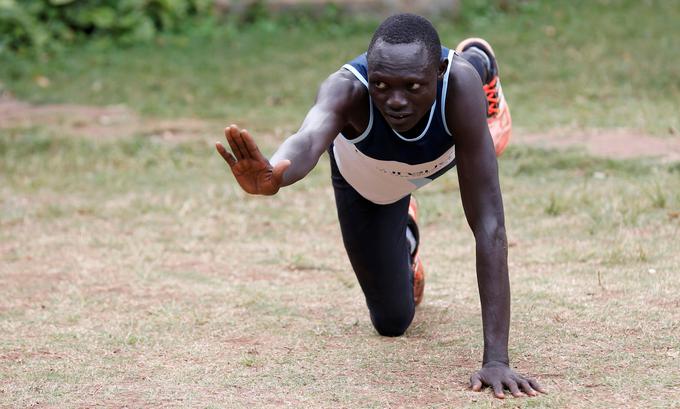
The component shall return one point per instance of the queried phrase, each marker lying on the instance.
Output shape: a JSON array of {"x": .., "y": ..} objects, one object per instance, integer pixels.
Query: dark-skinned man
[{"x": 392, "y": 120}]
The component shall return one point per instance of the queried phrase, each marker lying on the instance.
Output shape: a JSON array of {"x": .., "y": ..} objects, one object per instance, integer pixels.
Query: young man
[{"x": 392, "y": 120}]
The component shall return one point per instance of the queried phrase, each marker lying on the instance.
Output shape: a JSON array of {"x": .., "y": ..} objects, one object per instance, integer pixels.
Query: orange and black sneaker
[
  {"x": 498, "y": 112},
  {"x": 417, "y": 264}
]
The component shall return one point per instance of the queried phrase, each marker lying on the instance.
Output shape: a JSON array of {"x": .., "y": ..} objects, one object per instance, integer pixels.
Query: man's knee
[{"x": 392, "y": 323}]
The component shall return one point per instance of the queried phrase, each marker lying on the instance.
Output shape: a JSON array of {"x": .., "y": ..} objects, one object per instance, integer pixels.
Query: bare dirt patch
[
  {"x": 119, "y": 121},
  {"x": 115, "y": 121},
  {"x": 615, "y": 143}
]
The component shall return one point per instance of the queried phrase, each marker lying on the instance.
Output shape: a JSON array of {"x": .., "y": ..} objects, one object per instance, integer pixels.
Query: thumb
[
  {"x": 279, "y": 169},
  {"x": 476, "y": 383}
]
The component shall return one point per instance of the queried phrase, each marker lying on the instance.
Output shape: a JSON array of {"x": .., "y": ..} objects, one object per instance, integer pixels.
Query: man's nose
[{"x": 396, "y": 101}]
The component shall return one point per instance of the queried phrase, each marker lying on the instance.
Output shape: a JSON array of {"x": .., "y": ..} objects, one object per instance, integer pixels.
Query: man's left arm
[{"x": 483, "y": 206}]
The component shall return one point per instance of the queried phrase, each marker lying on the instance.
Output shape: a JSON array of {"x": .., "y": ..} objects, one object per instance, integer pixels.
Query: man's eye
[
  {"x": 414, "y": 86},
  {"x": 380, "y": 85}
]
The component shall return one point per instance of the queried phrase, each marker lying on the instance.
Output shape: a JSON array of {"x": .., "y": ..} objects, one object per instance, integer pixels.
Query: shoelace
[{"x": 492, "y": 97}]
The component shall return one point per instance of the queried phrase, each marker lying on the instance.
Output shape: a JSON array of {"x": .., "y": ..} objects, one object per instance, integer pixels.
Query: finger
[
  {"x": 225, "y": 155},
  {"x": 527, "y": 388},
  {"x": 241, "y": 143},
  {"x": 279, "y": 170},
  {"x": 536, "y": 386},
  {"x": 251, "y": 146},
  {"x": 231, "y": 132},
  {"x": 514, "y": 389},
  {"x": 498, "y": 390},
  {"x": 475, "y": 383}
]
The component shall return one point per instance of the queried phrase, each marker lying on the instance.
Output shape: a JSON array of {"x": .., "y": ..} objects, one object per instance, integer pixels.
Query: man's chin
[{"x": 402, "y": 126}]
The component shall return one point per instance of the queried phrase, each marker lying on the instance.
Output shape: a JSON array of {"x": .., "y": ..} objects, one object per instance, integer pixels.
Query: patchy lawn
[{"x": 136, "y": 273}]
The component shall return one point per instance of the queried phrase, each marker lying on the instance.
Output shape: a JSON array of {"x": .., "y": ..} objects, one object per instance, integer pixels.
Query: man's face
[{"x": 402, "y": 83}]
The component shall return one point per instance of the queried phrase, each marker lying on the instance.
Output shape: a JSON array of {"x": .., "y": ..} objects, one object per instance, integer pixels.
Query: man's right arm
[{"x": 337, "y": 95}]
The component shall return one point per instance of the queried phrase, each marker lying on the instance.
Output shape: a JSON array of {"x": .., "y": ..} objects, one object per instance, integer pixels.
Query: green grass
[{"x": 581, "y": 63}]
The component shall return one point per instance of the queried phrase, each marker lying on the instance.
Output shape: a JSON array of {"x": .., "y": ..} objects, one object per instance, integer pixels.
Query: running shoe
[
  {"x": 417, "y": 266},
  {"x": 498, "y": 112}
]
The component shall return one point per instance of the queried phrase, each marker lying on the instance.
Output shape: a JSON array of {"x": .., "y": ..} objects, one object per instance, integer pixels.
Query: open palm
[{"x": 252, "y": 170}]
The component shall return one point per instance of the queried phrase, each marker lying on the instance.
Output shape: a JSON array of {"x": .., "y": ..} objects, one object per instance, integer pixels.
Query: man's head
[{"x": 404, "y": 64}]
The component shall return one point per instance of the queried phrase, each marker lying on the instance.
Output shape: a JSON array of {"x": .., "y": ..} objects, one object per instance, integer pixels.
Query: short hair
[{"x": 406, "y": 29}]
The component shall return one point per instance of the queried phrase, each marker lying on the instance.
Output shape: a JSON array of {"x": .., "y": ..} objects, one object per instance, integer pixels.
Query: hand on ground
[
  {"x": 499, "y": 376},
  {"x": 252, "y": 170}
]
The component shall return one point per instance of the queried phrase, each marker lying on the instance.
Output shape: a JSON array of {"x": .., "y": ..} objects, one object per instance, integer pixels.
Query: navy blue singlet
[{"x": 383, "y": 165}]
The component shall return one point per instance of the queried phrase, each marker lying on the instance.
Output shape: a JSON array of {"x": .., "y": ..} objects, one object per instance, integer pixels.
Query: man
[{"x": 390, "y": 121}]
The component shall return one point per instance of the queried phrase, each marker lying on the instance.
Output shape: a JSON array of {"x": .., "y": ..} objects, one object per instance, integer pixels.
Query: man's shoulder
[
  {"x": 463, "y": 77},
  {"x": 343, "y": 91},
  {"x": 345, "y": 79},
  {"x": 465, "y": 101},
  {"x": 464, "y": 89}
]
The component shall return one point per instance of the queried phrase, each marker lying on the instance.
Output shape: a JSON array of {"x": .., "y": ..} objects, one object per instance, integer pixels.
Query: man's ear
[{"x": 443, "y": 65}]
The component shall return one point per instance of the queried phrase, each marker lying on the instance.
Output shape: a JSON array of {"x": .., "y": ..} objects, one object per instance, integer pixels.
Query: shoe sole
[{"x": 476, "y": 40}]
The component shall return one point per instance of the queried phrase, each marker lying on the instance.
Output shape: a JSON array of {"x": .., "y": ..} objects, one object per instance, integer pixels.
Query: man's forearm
[
  {"x": 302, "y": 158},
  {"x": 494, "y": 294}
]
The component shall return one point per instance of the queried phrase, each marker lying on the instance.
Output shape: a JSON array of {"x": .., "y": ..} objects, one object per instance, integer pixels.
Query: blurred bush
[
  {"x": 38, "y": 26},
  {"x": 41, "y": 25}
]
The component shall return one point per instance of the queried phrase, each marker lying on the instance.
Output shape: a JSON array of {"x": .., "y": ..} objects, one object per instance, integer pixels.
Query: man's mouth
[{"x": 398, "y": 117}]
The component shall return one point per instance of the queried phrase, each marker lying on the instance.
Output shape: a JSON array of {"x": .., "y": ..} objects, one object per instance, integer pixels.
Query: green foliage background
[
  {"x": 39, "y": 26},
  {"x": 46, "y": 24},
  {"x": 582, "y": 63}
]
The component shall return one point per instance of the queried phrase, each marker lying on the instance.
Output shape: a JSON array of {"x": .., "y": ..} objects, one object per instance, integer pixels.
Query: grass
[
  {"x": 145, "y": 277},
  {"x": 136, "y": 273},
  {"x": 574, "y": 64}
]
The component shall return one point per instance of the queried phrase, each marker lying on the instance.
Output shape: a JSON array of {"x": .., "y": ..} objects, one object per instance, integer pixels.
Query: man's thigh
[{"x": 375, "y": 239}]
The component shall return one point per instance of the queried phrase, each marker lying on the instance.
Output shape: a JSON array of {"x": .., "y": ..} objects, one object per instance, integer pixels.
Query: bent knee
[{"x": 392, "y": 325}]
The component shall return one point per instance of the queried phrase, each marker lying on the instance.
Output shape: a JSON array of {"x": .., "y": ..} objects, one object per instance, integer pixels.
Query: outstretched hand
[
  {"x": 252, "y": 170},
  {"x": 499, "y": 376}
]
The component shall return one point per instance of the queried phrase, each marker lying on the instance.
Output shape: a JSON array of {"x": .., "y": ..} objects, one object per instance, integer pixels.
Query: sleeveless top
[{"x": 384, "y": 166}]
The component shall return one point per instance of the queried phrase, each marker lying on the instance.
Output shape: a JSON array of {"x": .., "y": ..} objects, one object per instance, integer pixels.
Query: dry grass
[{"x": 136, "y": 274}]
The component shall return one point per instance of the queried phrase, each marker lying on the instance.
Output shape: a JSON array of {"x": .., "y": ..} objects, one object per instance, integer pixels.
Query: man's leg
[
  {"x": 379, "y": 251},
  {"x": 481, "y": 56}
]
